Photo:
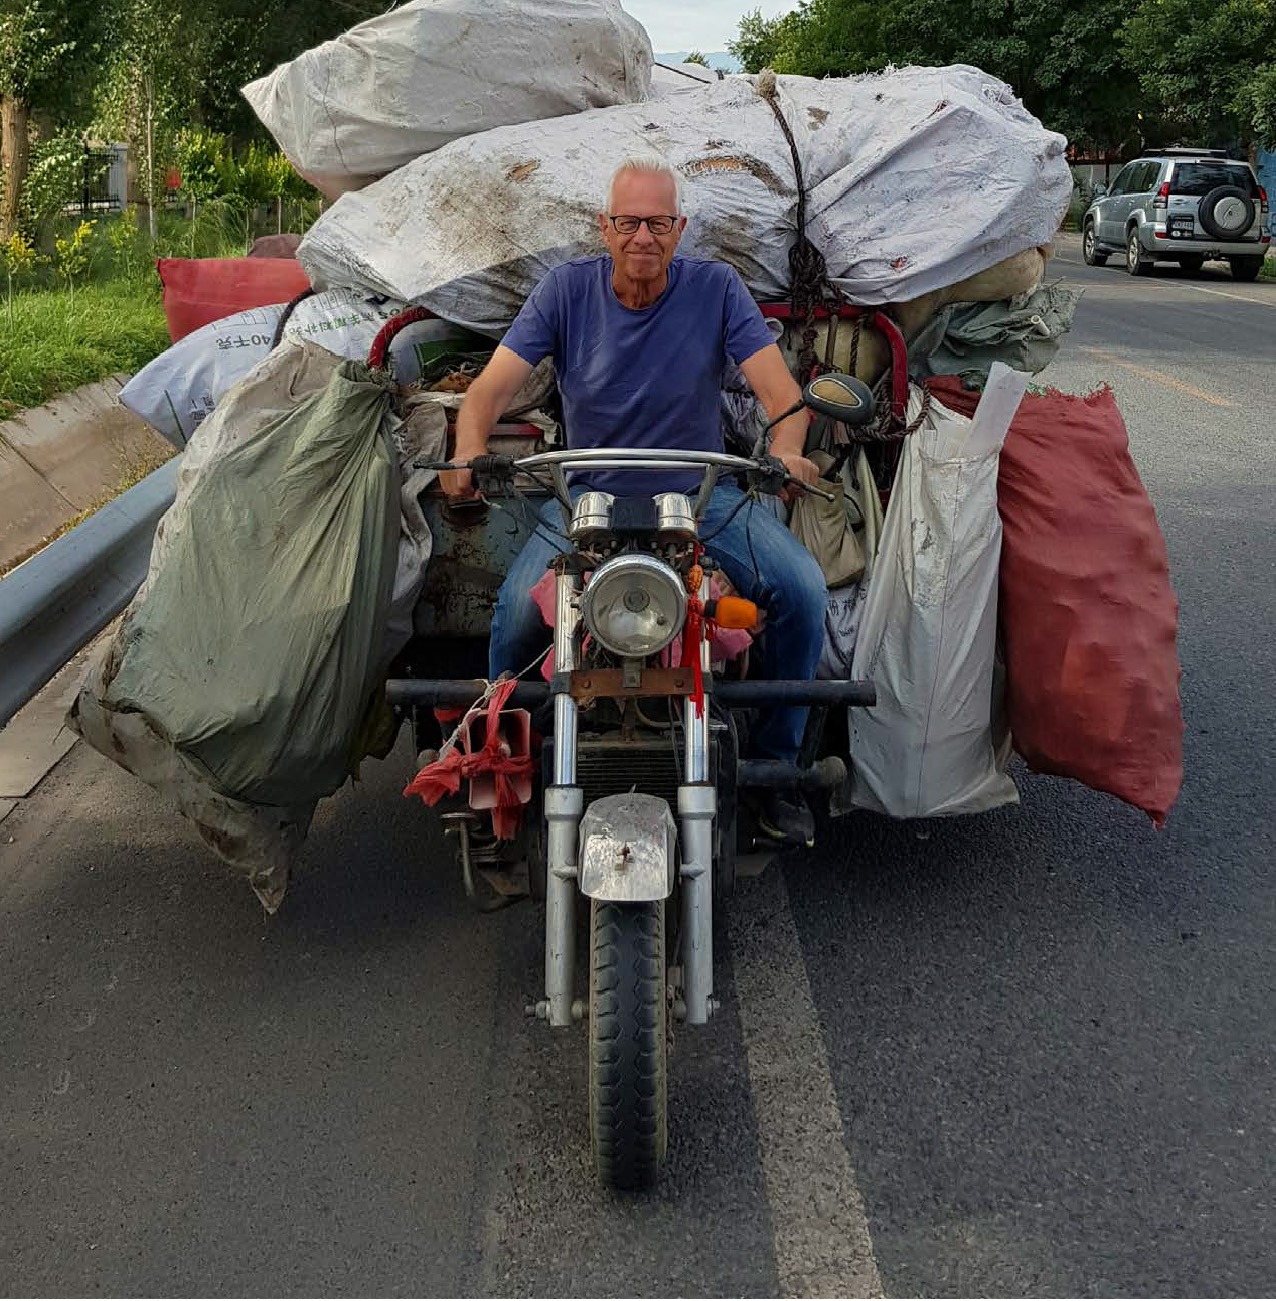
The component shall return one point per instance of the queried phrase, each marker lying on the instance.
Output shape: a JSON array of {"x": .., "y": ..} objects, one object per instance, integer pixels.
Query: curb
[{"x": 64, "y": 458}]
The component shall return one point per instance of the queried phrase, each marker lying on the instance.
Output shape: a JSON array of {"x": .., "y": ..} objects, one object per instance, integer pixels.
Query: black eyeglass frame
[{"x": 616, "y": 218}]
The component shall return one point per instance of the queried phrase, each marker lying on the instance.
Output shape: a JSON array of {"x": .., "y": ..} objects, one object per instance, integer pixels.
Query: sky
[{"x": 704, "y": 25}]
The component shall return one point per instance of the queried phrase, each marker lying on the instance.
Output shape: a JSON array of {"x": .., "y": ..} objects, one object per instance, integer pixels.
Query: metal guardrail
[{"x": 58, "y": 601}]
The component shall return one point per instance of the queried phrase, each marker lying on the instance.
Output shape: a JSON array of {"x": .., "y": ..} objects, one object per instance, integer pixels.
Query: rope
[
  {"x": 812, "y": 289},
  {"x": 810, "y": 286}
]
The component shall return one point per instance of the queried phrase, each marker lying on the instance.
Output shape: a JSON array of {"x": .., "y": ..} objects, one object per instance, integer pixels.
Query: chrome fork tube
[
  {"x": 563, "y": 808},
  {"x": 697, "y": 807}
]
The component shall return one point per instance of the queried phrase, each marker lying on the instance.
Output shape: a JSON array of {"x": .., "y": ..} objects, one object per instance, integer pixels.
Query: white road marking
[
  {"x": 1183, "y": 284},
  {"x": 823, "y": 1246}
]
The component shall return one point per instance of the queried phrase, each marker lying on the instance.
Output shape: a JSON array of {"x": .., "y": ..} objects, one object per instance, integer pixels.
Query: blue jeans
[{"x": 764, "y": 562}]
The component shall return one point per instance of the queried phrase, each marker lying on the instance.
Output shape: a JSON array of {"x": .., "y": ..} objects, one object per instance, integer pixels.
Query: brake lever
[{"x": 771, "y": 478}]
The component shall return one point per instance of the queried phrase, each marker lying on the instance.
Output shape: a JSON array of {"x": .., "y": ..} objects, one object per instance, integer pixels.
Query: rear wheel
[
  {"x": 628, "y": 1053},
  {"x": 1090, "y": 247},
  {"x": 1192, "y": 263},
  {"x": 1245, "y": 268},
  {"x": 1137, "y": 263}
]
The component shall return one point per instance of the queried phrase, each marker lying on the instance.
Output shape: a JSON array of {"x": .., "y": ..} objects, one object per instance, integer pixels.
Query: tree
[
  {"x": 1207, "y": 65},
  {"x": 50, "y": 52},
  {"x": 698, "y": 58},
  {"x": 1063, "y": 62},
  {"x": 151, "y": 84}
]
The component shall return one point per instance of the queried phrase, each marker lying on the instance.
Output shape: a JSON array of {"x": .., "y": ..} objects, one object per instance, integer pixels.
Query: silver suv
[{"x": 1184, "y": 205}]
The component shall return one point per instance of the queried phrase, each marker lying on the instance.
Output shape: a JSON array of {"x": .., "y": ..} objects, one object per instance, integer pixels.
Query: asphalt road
[{"x": 1031, "y": 1054}]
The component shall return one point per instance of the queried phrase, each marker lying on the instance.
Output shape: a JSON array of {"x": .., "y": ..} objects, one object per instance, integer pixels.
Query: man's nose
[{"x": 643, "y": 237}]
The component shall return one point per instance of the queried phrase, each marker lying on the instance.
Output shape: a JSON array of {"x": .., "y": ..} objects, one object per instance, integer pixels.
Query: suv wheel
[
  {"x": 1137, "y": 263},
  {"x": 1245, "y": 268},
  {"x": 1192, "y": 263},
  {"x": 1090, "y": 247}
]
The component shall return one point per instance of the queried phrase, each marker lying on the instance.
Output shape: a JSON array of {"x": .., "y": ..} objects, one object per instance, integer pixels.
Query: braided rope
[{"x": 811, "y": 289}]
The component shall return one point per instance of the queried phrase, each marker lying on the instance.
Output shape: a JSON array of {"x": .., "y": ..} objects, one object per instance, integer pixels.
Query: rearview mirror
[
  {"x": 1100, "y": 191},
  {"x": 841, "y": 397}
]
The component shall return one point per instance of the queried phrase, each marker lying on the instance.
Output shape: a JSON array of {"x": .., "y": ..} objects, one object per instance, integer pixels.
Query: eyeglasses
[{"x": 626, "y": 225}]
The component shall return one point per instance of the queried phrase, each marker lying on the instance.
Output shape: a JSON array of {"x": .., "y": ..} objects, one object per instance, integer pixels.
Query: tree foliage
[{"x": 1105, "y": 73}]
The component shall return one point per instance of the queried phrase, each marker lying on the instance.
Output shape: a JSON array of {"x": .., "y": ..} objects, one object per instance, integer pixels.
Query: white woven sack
[
  {"x": 928, "y": 636},
  {"x": 399, "y": 85}
]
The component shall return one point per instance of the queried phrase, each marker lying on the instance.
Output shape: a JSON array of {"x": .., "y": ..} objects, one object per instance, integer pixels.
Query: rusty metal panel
[{"x": 472, "y": 554}]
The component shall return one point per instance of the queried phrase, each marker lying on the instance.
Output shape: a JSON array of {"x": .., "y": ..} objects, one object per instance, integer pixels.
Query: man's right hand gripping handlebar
[{"x": 486, "y": 474}]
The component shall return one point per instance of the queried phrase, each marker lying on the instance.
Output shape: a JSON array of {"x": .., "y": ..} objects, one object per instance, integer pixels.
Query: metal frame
[{"x": 55, "y": 603}]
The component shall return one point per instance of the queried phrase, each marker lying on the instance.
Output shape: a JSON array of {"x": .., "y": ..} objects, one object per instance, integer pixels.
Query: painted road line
[
  {"x": 1240, "y": 298},
  {"x": 821, "y": 1236},
  {"x": 1183, "y": 284},
  {"x": 1159, "y": 377}
]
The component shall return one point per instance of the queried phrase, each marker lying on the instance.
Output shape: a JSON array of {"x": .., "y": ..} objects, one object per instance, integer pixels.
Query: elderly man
[{"x": 639, "y": 339}]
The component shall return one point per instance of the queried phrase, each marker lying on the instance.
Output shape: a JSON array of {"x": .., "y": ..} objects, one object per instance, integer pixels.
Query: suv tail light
[{"x": 1162, "y": 196}]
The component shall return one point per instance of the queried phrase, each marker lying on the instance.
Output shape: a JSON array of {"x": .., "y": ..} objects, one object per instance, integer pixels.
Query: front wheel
[
  {"x": 628, "y": 1057},
  {"x": 1090, "y": 248},
  {"x": 1245, "y": 268},
  {"x": 1137, "y": 263},
  {"x": 1191, "y": 263}
]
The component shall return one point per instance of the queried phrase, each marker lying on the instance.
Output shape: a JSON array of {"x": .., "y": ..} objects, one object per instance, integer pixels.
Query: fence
[{"x": 104, "y": 182}]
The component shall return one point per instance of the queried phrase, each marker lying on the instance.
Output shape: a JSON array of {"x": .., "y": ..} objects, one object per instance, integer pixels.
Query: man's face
[{"x": 642, "y": 256}]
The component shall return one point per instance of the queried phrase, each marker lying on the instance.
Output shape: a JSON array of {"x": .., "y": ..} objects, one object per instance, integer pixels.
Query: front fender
[{"x": 628, "y": 849}]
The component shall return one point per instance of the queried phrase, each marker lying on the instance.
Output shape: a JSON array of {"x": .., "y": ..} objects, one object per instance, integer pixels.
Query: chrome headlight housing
[{"x": 634, "y": 605}]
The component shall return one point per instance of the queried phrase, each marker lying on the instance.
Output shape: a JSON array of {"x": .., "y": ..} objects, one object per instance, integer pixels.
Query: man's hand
[
  {"x": 798, "y": 466},
  {"x": 481, "y": 408},
  {"x": 459, "y": 484}
]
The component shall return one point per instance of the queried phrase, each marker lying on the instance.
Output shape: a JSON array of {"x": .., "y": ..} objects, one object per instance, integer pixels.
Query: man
[{"x": 639, "y": 339}]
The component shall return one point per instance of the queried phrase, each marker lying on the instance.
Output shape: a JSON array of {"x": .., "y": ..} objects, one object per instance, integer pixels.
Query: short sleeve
[
  {"x": 744, "y": 329},
  {"x": 535, "y": 330}
]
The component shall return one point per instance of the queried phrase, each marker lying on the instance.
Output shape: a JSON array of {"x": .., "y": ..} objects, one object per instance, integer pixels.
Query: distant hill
[{"x": 722, "y": 61}]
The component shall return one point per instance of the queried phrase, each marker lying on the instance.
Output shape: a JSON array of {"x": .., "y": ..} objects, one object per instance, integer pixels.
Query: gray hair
[{"x": 651, "y": 165}]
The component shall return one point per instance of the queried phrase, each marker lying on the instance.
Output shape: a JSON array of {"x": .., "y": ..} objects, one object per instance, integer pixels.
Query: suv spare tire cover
[{"x": 1227, "y": 212}]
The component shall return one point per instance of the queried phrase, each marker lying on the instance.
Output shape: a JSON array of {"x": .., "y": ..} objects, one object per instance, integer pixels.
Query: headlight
[{"x": 634, "y": 605}]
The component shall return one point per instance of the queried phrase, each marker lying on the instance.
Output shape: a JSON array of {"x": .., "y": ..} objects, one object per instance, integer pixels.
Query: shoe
[{"x": 785, "y": 818}]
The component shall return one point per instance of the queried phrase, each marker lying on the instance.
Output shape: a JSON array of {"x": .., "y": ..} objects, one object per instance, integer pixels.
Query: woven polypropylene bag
[{"x": 1089, "y": 620}]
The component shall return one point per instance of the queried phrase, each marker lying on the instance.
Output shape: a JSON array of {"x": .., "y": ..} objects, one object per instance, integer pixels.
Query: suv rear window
[{"x": 1198, "y": 179}]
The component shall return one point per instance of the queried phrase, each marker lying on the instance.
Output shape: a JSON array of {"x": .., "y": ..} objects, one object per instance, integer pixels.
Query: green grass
[{"x": 52, "y": 340}]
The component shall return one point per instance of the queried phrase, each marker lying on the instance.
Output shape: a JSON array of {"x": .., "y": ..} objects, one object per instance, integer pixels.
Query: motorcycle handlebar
[{"x": 495, "y": 466}]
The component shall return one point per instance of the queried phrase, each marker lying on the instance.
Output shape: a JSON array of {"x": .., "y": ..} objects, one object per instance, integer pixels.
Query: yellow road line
[{"x": 1160, "y": 377}]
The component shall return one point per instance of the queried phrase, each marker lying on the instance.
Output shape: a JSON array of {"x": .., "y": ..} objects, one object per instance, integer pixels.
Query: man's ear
[{"x": 602, "y": 224}]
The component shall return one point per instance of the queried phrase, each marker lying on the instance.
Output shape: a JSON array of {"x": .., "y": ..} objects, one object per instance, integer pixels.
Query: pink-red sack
[
  {"x": 200, "y": 290},
  {"x": 1088, "y": 616}
]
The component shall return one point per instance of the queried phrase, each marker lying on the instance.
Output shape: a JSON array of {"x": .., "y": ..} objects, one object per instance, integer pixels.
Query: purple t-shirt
[{"x": 646, "y": 377}]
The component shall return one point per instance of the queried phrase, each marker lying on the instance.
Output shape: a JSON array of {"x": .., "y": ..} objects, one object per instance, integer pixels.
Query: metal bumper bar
[{"x": 744, "y": 695}]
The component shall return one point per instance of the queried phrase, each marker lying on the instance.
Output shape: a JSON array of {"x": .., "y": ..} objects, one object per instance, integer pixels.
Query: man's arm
[
  {"x": 484, "y": 401},
  {"x": 769, "y": 377}
]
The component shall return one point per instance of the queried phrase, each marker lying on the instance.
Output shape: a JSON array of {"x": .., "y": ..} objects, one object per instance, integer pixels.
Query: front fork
[
  {"x": 564, "y": 805},
  {"x": 697, "y": 807}
]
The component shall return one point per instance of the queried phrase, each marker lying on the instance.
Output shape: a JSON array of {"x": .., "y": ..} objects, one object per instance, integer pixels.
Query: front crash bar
[{"x": 744, "y": 695}]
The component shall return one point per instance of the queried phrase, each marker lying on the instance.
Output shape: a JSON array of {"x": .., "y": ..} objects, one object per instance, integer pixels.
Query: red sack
[
  {"x": 200, "y": 290},
  {"x": 1088, "y": 616}
]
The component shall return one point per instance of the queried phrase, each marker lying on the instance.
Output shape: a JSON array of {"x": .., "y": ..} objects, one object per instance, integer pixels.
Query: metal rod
[
  {"x": 563, "y": 807},
  {"x": 756, "y": 693},
  {"x": 824, "y": 775},
  {"x": 697, "y": 806}
]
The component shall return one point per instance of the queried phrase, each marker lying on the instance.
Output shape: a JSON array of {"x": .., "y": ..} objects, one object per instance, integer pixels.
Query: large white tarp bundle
[
  {"x": 916, "y": 178},
  {"x": 395, "y": 87}
]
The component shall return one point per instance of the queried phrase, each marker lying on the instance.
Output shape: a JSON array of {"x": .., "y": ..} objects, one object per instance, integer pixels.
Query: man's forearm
[
  {"x": 788, "y": 438},
  {"x": 474, "y": 424}
]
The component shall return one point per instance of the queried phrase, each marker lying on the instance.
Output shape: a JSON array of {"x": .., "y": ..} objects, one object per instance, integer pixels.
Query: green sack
[{"x": 254, "y": 650}]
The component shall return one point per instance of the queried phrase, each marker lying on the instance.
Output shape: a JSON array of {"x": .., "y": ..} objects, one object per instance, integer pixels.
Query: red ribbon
[{"x": 444, "y": 775}]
